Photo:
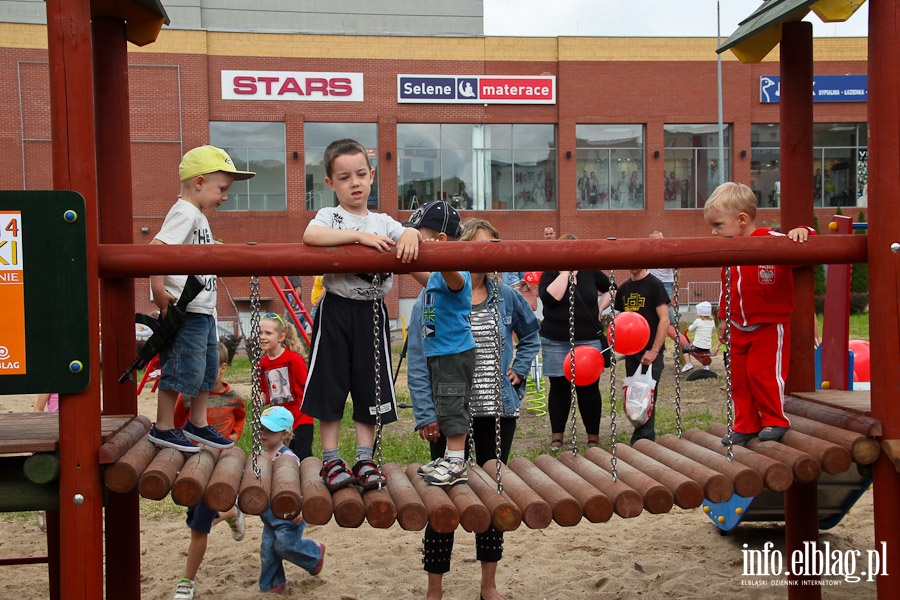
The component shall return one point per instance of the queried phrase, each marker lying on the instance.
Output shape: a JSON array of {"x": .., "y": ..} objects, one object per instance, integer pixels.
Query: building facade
[{"x": 599, "y": 137}]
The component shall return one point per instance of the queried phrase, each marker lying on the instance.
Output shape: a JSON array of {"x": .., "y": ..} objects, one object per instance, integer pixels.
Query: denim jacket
[{"x": 515, "y": 317}]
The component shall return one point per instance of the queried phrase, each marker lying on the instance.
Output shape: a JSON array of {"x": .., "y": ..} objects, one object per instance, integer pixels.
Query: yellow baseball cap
[{"x": 209, "y": 159}]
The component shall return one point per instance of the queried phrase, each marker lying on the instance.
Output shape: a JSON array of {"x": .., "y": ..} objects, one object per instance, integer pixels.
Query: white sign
[
  {"x": 292, "y": 85},
  {"x": 476, "y": 89}
]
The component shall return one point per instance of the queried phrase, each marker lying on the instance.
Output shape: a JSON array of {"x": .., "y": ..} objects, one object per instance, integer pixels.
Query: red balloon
[
  {"x": 588, "y": 365},
  {"x": 533, "y": 277},
  {"x": 861, "y": 370},
  {"x": 632, "y": 333}
]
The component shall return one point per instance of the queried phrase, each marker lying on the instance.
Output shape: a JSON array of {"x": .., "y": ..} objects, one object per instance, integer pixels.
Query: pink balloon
[
  {"x": 861, "y": 367},
  {"x": 632, "y": 333},
  {"x": 588, "y": 365}
]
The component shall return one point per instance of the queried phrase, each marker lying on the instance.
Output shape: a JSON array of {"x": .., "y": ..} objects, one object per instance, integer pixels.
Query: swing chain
[
  {"x": 679, "y": 356},
  {"x": 572, "y": 401},
  {"x": 376, "y": 336},
  {"x": 612, "y": 377},
  {"x": 729, "y": 404},
  {"x": 498, "y": 393},
  {"x": 255, "y": 353}
]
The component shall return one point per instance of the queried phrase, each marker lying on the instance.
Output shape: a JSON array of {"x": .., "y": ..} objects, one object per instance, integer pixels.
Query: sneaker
[
  {"x": 278, "y": 589},
  {"x": 449, "y": 472},
  {"x": 706, "y": 368},
  {"x": 208, "y": 436},
  {"x": 238, "y": 528},
  {"x": 367, "y": 476},
  {"x": 171, "y": 438},
  {"x": 184, "y": 590},
  {"x": 772, "y": 434},
  {"x": 737, "y": 439},
  {"x": 687, "y": 367},
  {"x": 428, "y": 468},
  {"x": 336, "y": 475},
  {"x": 321, "y": 563}
]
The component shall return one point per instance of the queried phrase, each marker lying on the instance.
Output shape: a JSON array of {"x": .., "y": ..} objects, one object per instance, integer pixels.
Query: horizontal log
[
  {"x": 42, "y": 467},
  {"x": 442, "y": 513},
  {"x": 892, "y": 451},
  {"x": 127, "y": 437},
  {"x": 505, "y": 514},
  {"x": 686, "y": 492},
  {"x": 222, "y": 489},
  {"x": 843, "y": 419},
  {"x": 286, "y": 503},
  {"x": 254, "y": 497},
  {"x": 136, "y": 260},
  {"x": 123, "y": 475},
  {"x": 411, "y": 512},
  {"x": 831, "y": 457},
  {"x": 597, "y": 506},
  {"x": 658, "y": 499},
  {"x": 565, "y": 509},
  {"x": 747, "y": 482},
  {"x": 716, "y": 487},
  {"x": 474, "y": 516},
  {"x": 804, "y": 466},
  {"x": 191, "y": 481},
  {"x": 627, "y": 503},
  {"x": 318, "y": 505},
  {"x": 157, "y": 479},
  {"x": 21, "y": 495},
  {"x": 349, "y": 510},
  {"x": 864, "y": 450},
  {"x": 380, "y": 509},
  {"x": 776, "y": 475},
  {"x": 536, "y": 513}
]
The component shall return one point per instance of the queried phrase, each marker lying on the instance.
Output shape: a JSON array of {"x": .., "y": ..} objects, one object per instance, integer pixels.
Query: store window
[
  {"x": 317, "y": 136},
  {"x": 476, "y": 166},
  {"x": 840, "y": 164},
  {"x": 257, "y": 147},
  {"x": 610, "y": 162},
  {"x": 692, "y": 164}
]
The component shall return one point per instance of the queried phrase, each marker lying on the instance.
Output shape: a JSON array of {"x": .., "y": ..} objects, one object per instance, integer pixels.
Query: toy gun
[{"x": 164, "y": 329}]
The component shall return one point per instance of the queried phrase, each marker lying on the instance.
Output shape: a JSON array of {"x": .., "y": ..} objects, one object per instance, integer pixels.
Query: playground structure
[{"x": 91, "y": 155}]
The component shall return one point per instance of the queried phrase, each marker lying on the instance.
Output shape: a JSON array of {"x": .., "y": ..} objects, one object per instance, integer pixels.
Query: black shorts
[{"x": 342, "y": 362}]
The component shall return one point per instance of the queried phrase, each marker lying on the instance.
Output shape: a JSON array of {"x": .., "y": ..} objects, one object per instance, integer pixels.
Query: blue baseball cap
[{"x": 277, "y": 418}]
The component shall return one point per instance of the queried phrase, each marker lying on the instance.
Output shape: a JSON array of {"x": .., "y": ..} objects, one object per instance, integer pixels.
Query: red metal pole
[
  {"x": 74, "y": 168},
  {"x": 884, "y": 270},
  {"x": 796, "y": 114},
  {"x": 114, "y": 208}
]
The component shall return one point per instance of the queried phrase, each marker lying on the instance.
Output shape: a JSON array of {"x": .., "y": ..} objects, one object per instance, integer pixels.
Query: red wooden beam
[{"x": 119, "y": 260}]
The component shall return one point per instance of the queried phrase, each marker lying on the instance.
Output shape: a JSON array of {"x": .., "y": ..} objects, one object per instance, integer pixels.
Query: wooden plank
[
  {"x": 859, "y": 402},
  {"x": 39, "y": 432},
  {"x": 812, "y": 406}
]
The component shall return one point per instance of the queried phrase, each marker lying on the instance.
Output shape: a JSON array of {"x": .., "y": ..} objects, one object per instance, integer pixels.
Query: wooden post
[
  {"x": 348, "y": 507},
  {"x": 222, "y": 489},
  {"x": 286, "y": 503},
  {"x": 191, "y": 481},
  {"x": 380, "y": 509},
  {"x": 157, "y": 479},
  {"x": 255, "y": 494},
  {"x": 318, "y": 505}
]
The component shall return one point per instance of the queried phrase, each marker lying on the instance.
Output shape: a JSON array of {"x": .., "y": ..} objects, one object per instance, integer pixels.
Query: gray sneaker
[
  {"x": 184, "y": 590},
  {"x": 237, "y": 525},
  {"x": 448, "y": 473},
  {"x": 428, "y": 468}
]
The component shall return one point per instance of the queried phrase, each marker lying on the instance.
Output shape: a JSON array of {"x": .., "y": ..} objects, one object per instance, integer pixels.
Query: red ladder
[{"x": 286, "y": 292}]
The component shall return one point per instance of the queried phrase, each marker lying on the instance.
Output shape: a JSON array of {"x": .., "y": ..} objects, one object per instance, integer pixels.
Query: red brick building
[{"x": 639, "y": 113}]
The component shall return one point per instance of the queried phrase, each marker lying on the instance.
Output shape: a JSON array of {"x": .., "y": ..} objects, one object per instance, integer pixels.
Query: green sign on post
[{"x": 43, "y": 293}]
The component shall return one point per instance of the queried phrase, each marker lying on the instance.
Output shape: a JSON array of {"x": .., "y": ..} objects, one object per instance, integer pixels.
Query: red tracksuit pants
[{"x": 759, "y": 368}]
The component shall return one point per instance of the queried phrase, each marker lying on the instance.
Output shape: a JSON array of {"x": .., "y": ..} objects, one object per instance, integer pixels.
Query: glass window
[
  {"x": 692, "y": 169},
  {"x": 840, "y": 164},
  {"x": 476, "y": 166},
  {"x": 610, "y": 163},
  {"x": 316, "y": 137},
  {"x": 257, "y": 147}
]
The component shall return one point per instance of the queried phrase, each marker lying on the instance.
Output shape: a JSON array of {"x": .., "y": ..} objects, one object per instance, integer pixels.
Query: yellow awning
[{"x": 757, "y": 35}]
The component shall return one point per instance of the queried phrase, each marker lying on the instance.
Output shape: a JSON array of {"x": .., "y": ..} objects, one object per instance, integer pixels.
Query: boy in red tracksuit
[{"x": 762, "y": 300}]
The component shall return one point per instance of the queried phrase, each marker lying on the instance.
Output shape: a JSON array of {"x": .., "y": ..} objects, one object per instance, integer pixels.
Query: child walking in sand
[{"x": 283, "y": 540}]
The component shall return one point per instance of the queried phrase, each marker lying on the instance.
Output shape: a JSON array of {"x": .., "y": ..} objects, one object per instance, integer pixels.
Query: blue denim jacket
[{"x": 515, "y": 317}]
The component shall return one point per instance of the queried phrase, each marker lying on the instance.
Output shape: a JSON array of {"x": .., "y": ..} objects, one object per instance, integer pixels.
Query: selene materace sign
[{"x": 476, "y": 89}]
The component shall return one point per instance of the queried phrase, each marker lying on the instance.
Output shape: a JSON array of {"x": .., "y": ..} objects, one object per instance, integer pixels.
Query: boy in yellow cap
[{"x": 190, "y": 365}]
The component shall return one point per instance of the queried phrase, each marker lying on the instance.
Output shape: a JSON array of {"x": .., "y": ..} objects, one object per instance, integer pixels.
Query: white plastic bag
[{"x": 639, "y": 396}]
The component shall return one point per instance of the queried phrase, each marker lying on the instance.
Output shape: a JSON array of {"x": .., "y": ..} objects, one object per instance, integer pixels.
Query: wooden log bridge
[{"x": 651, "y": 476}]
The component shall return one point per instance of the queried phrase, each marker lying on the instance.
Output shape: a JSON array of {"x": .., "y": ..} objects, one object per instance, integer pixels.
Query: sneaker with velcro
[
  {"x": 184, "y": 590},
  {"x": 448, "y": 473},
  {"x": 428, "y": 468}
]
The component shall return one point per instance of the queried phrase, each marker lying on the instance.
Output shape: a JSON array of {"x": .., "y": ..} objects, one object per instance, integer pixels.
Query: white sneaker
[
  {"x": 184, "y": 590},
  {"x": 429, "y": 468},
  {"x": 706, "y": 367},
  {"x": 687, "y": 367},
  {"x": 238, "y": 529}
]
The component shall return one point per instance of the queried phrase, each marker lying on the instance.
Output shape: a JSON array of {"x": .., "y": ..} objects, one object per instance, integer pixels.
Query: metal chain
[
  {"x": 678, "y": 354},
  {"x": 376, "y": 335},
  {"x": 498, "y": 393},
  {"x": 255, "y": 353},
  {"x": 572, "y": 400},
  {"x": 729, "y": 401},
  {"x": 612, "y": 377}
]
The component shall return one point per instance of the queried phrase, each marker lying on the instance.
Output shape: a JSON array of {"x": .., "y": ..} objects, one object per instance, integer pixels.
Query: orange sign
[{"x": 12, "y": 295}]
